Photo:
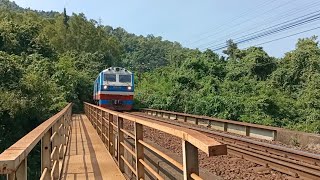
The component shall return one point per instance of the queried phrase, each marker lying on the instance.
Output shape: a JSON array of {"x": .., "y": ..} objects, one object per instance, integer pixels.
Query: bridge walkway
[
  {"x": 98, "y": 146},
  {"x": 87, "y": 156}
]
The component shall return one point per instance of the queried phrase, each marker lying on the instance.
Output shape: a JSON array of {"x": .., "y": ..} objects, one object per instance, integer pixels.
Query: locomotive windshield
[
  {"x": 125, "y": 78},
  {"x": 110, "y": 77}
]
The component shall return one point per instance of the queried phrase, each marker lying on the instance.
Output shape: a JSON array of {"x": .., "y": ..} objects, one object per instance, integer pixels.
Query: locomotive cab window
[
  {"x": 110, "y": 77},
  {"x": 125, "y": 78}
]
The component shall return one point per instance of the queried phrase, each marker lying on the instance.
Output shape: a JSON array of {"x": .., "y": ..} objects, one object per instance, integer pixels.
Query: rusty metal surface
[
  {"x": 214, "y": 119},
  {"x": 11, "y": 158},
  {"x": 235, "y": 127},
  {"x": 289, "y": 161},
  {"x": 87, "y": 156}
]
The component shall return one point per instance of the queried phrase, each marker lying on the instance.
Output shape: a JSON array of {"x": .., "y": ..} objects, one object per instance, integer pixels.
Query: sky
[{"x": 195, "y": 23}]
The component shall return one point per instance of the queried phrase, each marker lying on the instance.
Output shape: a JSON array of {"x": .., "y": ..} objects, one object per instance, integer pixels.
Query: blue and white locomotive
[{"x": 114, "y": 89}]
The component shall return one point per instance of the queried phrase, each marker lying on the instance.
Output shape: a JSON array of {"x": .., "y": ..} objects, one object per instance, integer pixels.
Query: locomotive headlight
[
  {"x": 129, "y": 87},
  {"x": 105, "y": 87}
]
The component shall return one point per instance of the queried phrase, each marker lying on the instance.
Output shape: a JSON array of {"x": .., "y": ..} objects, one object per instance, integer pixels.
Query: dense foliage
[
  {"x": 248, "y": 86},
  {"x": 48, "y": 59}
]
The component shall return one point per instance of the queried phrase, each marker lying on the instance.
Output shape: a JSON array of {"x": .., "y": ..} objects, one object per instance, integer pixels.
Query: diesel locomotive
[{"x": 114, "y": 89}]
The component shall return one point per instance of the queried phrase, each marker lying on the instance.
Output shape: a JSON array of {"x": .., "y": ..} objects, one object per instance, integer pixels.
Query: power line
[
  {"x": 240, "y": 42},
  {"x": 245, "y": 21},
  {"x": 287, "y": 36},
  {"x": 295, "y": 21},
  {"x": 273, "y": 29},
  {"x": 284, "y": 15},
  {"x": 231, "y": 21}
]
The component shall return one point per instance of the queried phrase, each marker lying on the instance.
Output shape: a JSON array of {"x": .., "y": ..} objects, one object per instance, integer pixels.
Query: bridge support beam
[
  {"x": 61, "y": 137},
  {"x": 190, "y": 160},
  {"x": 21, "y": 172},
  {"x": 103, "y": 127},
  {"x": 111, "y": 137},
  {"x": 139, "y": 150},
  {"x": 120, "y": 147},
  {"x": 45, "y": 154},
  {"x": 55, "y": 154}
]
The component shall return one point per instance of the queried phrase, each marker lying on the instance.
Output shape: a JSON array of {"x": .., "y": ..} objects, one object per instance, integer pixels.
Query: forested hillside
[
  {"x": 49, "y": 59},
  {"x": 248, "y": 86}
]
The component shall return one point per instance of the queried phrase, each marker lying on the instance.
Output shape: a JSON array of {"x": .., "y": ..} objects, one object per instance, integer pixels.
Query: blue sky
[{"x": 195, "y": 24}]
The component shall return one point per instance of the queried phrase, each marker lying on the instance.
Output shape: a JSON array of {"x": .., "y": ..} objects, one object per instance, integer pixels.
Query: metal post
[
  {"x": 116, "y": 139},
  {"x": 190, "y": 160},
  {"x": 70, "y": 114},
  {"x": 101, "y": 119},
  {"x": 87, "y": 111},
  {"x": 120, "y": 147},
  {"x": 61, "y": 137},
  {"x": 98, "y": 118},
  {"x": 94, "y": 118},
  {"x": 65, "y": 126},
  {"x": 274, "y": 135},
  {"x": 45, "y": 154},
  {"x": 103, "y": 127},
  {"x": 67, "y": 134},
  {"x": 139, "y": 150},
  {"x": 111, "y": 139},
  {"x": 247, "y": 129},
  {"x": 56, "y": 143},
  {"x": 225, "y": 126},
  {"x": 90, "y": 114}
]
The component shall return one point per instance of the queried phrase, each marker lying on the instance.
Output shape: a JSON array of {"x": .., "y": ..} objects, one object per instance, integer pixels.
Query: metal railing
[
  {"x": 54, "y": 135},
  {"x": 236, "y": 127},
  {"x": 110, "y": 127}
]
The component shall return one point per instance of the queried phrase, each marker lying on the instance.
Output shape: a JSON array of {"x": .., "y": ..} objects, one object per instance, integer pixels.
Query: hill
[
  {"x": 11, "y": 5},
  {"x": 49, "y": 58}
]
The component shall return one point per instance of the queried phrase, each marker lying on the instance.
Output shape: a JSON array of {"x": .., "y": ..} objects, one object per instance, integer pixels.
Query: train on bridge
[{"x": 114, "y": 89}]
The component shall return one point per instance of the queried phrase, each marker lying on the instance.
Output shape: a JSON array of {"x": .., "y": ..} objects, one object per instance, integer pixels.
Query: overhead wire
[
  {"x": 245, "y": 40},
  {"x": 301, "y": 32},
  {"x": 269, "y": 20},
  {"x": 239, "y": 42},
  {"x": 239, "y": 16},
  {"x": 280, "y": 24},
  {"x": 220, "y": 28},
  {"x": 231, "y": 26},
  {"x": 273, "y": 29}
]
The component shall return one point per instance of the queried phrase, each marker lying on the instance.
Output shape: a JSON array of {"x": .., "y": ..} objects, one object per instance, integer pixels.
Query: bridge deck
[{"x": 87, "y": 157}]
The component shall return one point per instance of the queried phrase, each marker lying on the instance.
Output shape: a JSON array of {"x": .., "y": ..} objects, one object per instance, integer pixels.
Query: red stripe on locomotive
[
  {"x": 113, "y": 96},
  {"x": 120, "y": 108}
]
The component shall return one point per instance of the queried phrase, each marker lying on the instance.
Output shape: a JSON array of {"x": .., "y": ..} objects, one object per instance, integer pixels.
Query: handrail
[
  {"x": 54, "y": 136},
  {"x": 109, "y": 125},
  {"x": 208, "y": 145}
]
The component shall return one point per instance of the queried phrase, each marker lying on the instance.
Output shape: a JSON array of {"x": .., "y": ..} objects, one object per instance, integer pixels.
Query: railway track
[{"x": 296, "y": 163}]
